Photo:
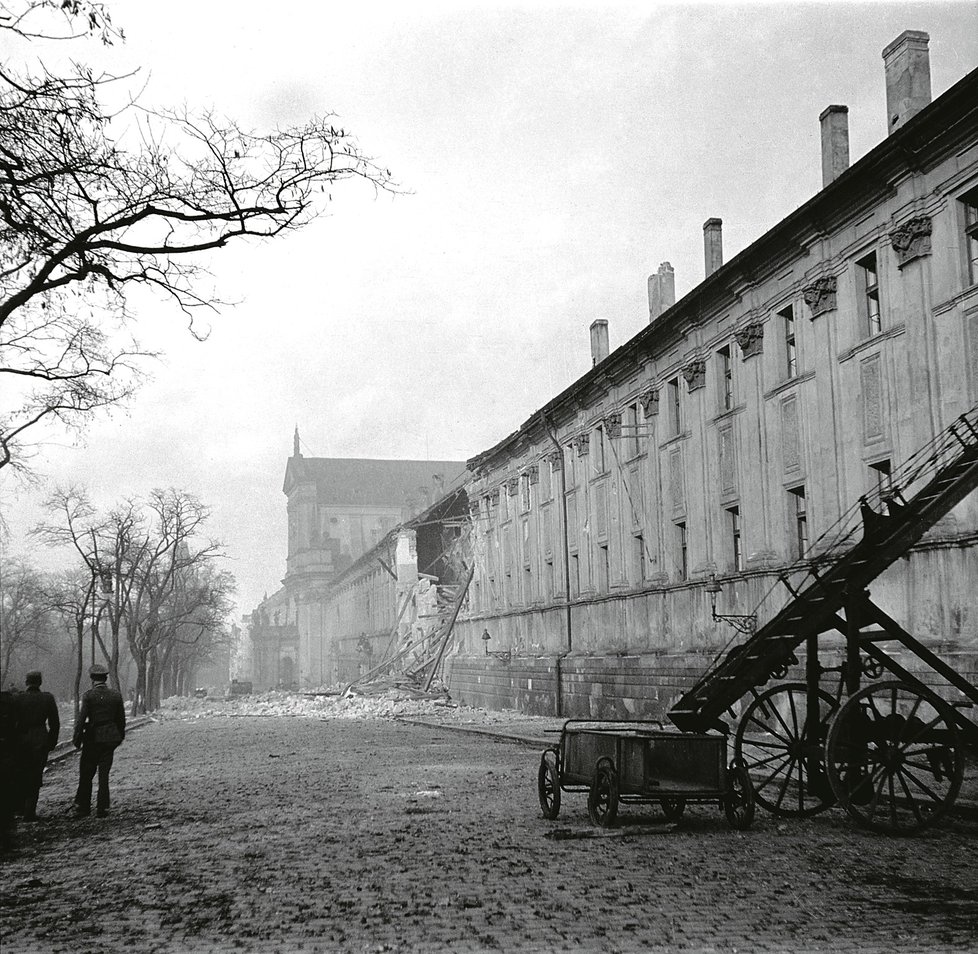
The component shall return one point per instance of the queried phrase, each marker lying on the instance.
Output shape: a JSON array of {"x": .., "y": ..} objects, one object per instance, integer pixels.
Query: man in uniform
[
  {"x": 10, "y": 767},
  {"x": 99, "y": 730},
  {"x": 39, "y": 727}
]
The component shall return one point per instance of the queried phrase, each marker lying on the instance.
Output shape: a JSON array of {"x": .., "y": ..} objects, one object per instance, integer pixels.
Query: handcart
[
  {"x": 890, "y": 751},
  {"x": 633, "y": 762}
]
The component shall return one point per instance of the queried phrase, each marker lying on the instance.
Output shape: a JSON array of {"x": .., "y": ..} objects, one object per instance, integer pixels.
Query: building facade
[
  {"x": 337, "y": 509},
  {"x": 719, "y": 446},
  {"x": 726, "y": 437}
]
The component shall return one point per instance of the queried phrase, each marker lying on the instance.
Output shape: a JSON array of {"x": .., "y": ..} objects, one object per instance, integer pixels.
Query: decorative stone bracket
[
  {"x": 513, "y": 486},
  {"x": 695, "y": 374},
  {"x": 556, "y": 460},
  {"x": 612, "y": 425},
  {"x": 583, "y": 444},
  {"x": 650, "y": 402},
  {"x": 493, "y": 497},
  {"x": 533, "y": 474},
  {"x": 820, "y": 296},
  {"x": 911, "y": 239},
  {"x": 750, "y": 339}
]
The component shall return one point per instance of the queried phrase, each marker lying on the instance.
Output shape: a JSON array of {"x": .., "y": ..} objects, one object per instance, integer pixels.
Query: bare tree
[
  {"x": 71, "y": 597},
  {"x": 171, "y": 553},
  {"x": 25, "y": 615},
  {"x": 97, "y": 202},
  {"x": 196, "y": 626}
]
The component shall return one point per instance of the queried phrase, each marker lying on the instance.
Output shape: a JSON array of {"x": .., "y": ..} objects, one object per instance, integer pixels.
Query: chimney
[
  {"x": 713, "y": 244},
  {"x": 599, "y": 340},
  {"x": 662, "y": 291},
  {"x": 907, "y": 64},
  {"x": 835, "y": 142}
]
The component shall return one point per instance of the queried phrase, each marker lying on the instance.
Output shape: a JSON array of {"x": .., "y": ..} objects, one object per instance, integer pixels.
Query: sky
[{"x": 549, "y": 156}]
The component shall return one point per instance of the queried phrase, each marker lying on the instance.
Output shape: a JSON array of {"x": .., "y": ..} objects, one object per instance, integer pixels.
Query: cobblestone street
[{"x": 303, "y": 834}]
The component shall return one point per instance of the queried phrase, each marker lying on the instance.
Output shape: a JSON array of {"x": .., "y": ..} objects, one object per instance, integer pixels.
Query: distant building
[
  {"x": 717, "y": 446},
  {"x": 337, "y": 510}
]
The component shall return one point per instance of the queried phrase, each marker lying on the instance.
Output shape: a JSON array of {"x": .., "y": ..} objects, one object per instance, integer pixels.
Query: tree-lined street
[{"x": 304, "y": 834}]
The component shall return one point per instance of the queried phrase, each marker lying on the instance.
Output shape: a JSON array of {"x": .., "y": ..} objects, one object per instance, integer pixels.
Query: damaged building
[{"x": 613, "y": 544}]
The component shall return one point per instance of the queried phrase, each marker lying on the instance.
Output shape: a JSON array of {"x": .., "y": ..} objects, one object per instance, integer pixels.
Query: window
[
  {"x": 549, "y": 579},
  {"x": 790, "y": 348},
  {"x": 639, "y": 551},
  {"x": 726, "y": 379},
  {"x": 970, "y": 202},
  {"x": 575, "y": 574},
  {"x": 869, "y": 294},
  {"x": 525, "y": 493},
  {"x": 800, "y": 513},
  {"x": 675, "y": 415},
  {"x": 504, "y": 502},
  {"x": 546, "y": 482},
  {"x": 570, "y": 466},
  {"x": 682, "y": 551},
  {"x": 630, "y": 431},
  {"x": 604, "y": 568},
  {"x": 598, "y": 457},
  {"x": 736, "y": 548},
  {"x": 881, "y": 476}
]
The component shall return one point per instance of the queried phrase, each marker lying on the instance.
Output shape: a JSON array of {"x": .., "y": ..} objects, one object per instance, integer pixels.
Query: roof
[
  {"x": 935, "y": 130},
  {"x": 364, "y": 482}
]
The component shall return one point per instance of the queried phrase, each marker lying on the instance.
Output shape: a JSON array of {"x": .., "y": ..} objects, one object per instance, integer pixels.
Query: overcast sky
[{"x": 551, "y": 156}]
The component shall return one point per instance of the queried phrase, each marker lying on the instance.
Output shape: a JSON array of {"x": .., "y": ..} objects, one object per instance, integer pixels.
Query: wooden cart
[
  {"x": 642, "y": 763},
  {"x": 889, "y": 751}
]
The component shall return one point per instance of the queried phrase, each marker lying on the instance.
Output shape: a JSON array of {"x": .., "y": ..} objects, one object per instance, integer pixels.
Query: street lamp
[
  {"x": 499, "y": 654},
  {"x": 745, "y": 623},
  {"x": 104, "y": 574}
]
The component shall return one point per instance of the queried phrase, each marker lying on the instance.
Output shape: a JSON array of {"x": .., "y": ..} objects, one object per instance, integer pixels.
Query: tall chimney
[
  {"x": 662, "y": 291},
  {"x": 907, "y": 64},
  {"x": 599, "y": 340},
  {"x": 713, "y": 244},
  {"x": 835, "y": 142}
]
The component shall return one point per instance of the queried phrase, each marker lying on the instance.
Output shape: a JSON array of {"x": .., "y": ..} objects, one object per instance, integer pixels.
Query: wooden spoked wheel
[
  {"x": 548, "y": 785},
  {"x": 602, "y": 799},
  {"x": 893, "y": 758},
  {"x": 780, "y": 742},
  {"x": 738, "y": 803},
  {"x": 673, "y": 808}
]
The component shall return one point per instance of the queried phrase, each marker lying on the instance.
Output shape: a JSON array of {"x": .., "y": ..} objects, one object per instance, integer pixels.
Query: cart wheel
[
  {"x": 778, "y": 743},
  {"x": 738, "y": 803},
  {"x": 548, "y": 785},
  {"x": 602, "y": 799},
  {"x": 673, "y": 808},
  {"x": 893, "y": 758}
]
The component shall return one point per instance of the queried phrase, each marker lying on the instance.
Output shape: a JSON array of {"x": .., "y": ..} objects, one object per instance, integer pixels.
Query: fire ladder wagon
[{"x": 880, "y": 724}]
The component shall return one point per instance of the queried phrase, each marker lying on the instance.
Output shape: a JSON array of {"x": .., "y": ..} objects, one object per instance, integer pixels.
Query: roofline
[{"x": 934, "y": 129}]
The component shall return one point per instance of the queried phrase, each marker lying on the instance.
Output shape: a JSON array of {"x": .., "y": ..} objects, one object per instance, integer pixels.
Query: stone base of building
[{"x": 626, "y": 687}]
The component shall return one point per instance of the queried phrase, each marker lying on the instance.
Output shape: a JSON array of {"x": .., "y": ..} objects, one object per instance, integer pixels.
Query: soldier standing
[
  {"x": 99, "y": 730},
  {"x": 9, "y": 767},
  {"x": 39, "y": 727}
]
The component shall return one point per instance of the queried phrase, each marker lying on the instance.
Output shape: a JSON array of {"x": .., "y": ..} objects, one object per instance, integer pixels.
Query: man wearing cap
[
  {"x": 99, "y": 730},
  {"x": 39, "y": 727}
]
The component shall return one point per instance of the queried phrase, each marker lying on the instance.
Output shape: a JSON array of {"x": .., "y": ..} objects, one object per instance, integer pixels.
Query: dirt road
[{"x": 305, "y": 834}]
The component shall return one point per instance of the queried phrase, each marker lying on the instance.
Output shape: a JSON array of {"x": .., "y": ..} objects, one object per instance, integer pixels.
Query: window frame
[
  {"x": 969, "y": 200},
  {"x": 789, "y": 338},
  {"x": 801, "y": 539},
  {"x": 870, "y": 303}
]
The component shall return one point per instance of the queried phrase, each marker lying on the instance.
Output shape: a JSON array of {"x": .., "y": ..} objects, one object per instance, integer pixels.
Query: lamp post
[
  {"x": 503, "y": 654},
  {"x": 104, "y": 574},
  {"x": 744, "y": 623}
]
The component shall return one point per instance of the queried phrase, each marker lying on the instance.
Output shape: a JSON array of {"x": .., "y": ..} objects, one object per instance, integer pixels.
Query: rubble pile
[{"x": 381, "y": 702}]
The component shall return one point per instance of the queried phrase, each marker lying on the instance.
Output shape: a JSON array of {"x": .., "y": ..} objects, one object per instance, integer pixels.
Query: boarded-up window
[
  {"x": 790, "y": 444},
  {"x": 601, "y": 509},
  {"x": 677, "y": 496},
  {"x": 872, "y": 391},
  {"x": 728, "y": 480}
]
